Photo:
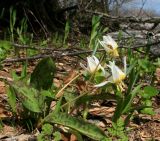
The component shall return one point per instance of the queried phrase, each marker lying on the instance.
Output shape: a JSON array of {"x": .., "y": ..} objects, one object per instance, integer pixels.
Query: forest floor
[{"x": 141, "y": 128}]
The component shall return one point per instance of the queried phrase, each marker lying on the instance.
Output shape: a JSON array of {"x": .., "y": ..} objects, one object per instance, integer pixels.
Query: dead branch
[
  {"x": 54, "y": 55},
  {"x": 57, "y": 53},
  {"x": 128, "y": 19}
]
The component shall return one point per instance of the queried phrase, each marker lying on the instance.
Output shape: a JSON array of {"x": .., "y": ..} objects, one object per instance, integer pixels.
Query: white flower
[
  {"x": 110, "y": 45},
  {"x": 93, "y": 65},
  {"x": 117, "y": 76}
]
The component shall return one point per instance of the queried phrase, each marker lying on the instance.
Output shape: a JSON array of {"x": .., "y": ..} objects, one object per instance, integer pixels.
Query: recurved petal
[
  {"x": 102, "y": 84},
  {"x": 102, "y": 43},
  {"x": 92, "y": 64},
  {"x": 96, "y": 60},
  {"x": 110, "y": 41},
  {"x": 107, "y": 38},
  {"x": 125, "y": 65},
  {"x": 83, "y": 67},
  {"x": 105, "y": 46}
]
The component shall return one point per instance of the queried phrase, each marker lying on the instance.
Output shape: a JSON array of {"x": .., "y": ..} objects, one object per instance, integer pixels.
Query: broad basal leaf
[
  {"x": 12, "y": 98},
  {"x": 74, "y": 123},
  {"x": 42, "y": 76},
  {"x": 29, "y": 97}
]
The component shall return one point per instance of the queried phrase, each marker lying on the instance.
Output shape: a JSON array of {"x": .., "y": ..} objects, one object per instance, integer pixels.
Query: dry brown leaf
[
  {"x": 3, "y": 113},
  {"x": 81, "y": 85},
  {"x": 57, "y": 82},
  {"x": 2, "y": 88},
  {"x": 157, "y": 74},
  {"x": 70, "y": 76},
  {"x": 73, "y": 138}
]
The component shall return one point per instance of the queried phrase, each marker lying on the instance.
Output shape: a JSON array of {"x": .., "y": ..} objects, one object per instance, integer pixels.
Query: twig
[
  {"x": 59, "y": 94},
  {"x": 52, "y": 48},
  {"x": 10, "y": 60},
  {"x": 89, "y": 3}
]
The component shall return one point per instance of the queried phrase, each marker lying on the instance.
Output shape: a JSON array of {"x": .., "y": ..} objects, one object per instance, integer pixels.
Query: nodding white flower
[
  {"x": 117, "y": 76},
  {"x": 93, "y": 65},
  {"x": 110, "y": 45}
]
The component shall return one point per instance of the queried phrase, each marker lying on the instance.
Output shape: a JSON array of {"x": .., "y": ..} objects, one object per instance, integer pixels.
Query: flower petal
[
  {"x": 96, "y": 60},
  {"x": 109, "y": 45},
  {"x": 83, "y": 67},
  {"x": 125, "y": 65},
  {"x": 101, "y": 84},
  {"x": 91, "y": 64},
  {"x": 117, "y": 73}
]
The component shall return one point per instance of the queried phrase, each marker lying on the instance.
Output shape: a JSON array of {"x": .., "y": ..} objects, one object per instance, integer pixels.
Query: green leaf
[
  {"x": 15, "y": 76},
  {"x": 12, "y": 98},
  {"x": 24, "y": 70},
  {"x": 118, "y": 110},
  {"x": 46, "y": 133},
  {"x": 23, "y": 73},
  {"x": 129, "y": 99},
  {"x": 5, "y": 45},
  {"x": 105, "y": 29},
  {"x": 148, "y": 102},
  {"x": 146, "y": 65},
  {"x": 3, "y": 54},
  {"x": 29, "y": 97},
  {"x": 58, "y": 106},
  {"x": 94, "y": 34},
  {"x": 148, "y": 107},
  {"x": 80, "y": 125},
  {"x": 149, "y": 92},
  {"x": 47, "y": 128},
  {"x": 132, "y": 79},
  {"x": 57, "y": 136},
  {"x": 42, "y": 76},
  {"x": 148, "y": 111},
  {"x": 30, "y": 101},
  {"x": 47, "y": 94}
]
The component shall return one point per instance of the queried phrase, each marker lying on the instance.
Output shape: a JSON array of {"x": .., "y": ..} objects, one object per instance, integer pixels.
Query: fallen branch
[
  {"x": 53, "y": 55},
  {"x": 130, "y": 19},
  {"x": 57, "y": 53}
]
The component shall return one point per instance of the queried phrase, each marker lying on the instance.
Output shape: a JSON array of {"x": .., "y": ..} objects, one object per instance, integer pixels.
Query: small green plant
[
  {"x": 96, "y": 32},
  {"x": 30, "y": 96},
  {"x": 5, "y": 49},
  {"x": 22, "y": 31},
  {"x": 58, "y": 40},
  {"x": 34, "y": 98},
  {"x": 117, "y": 131},
  {"x": 66, "y": 32},
  {"x": 137, "y": 68},
  {"x": 13, "y": 14},
  {"x": 146, "y": 95},
  {"x": 34, "y": 95},
  {"x": 47, "y": 131}
]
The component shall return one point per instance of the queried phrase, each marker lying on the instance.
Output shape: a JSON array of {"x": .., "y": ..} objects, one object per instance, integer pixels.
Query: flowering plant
[{"x": 110, "y": 46}]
